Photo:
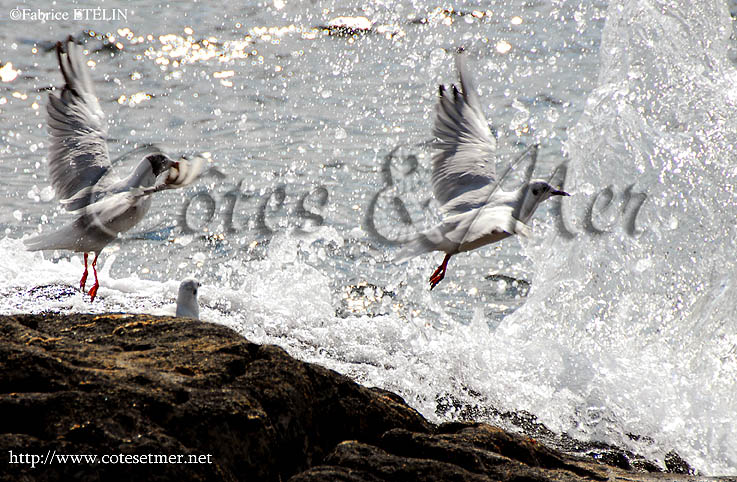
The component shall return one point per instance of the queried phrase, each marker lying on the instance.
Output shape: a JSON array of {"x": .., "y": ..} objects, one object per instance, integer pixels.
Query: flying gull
[
  {"x": 82, "y": 174},
  {"x": 476, "y": 211}
]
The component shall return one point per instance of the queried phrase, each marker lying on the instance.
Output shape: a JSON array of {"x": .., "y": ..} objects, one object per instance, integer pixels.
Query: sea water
[{"x": 616, "y": 319}]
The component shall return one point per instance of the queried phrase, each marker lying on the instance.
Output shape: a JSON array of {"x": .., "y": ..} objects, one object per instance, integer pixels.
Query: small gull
[
  {"x": 82, "y": 174},
  {"x": 187, "y": 306},
  {"x": 464, "y": 180}
]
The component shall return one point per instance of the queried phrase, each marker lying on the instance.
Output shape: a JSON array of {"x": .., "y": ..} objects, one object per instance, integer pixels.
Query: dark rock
[
  {"x": 674, "y": 463},
  {"x": 513, "y": 287},
  {"x": 440, "y": 14},
  {"x": 474, "y": 452},
  {"x": 364, "y": 299},
  {"x": 121, "y": 384},
  {"x": 467, "y": 452},
  {"x": 347, "y": 26},
  {"x": 528, "y": 424},
  {"x": 53, "y": 292},
  {"x": 140, "y": 387}
]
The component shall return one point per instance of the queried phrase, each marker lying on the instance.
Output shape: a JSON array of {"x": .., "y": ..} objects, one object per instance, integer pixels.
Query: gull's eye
[{"x": 535, "y": 191}]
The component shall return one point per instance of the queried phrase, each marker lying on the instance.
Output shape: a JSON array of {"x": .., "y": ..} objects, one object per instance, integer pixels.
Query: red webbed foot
[
  {"x": 439, "y": 273},
  {"x": 83, "y": 281}
]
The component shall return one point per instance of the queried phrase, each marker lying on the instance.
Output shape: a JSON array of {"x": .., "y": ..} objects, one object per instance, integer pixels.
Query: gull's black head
[
  {"x": 159, "y": 163},
  {"x": 189, "y": 287},
  {"x": 533, "y": 195},
  {"x": 542, "y": 190}
]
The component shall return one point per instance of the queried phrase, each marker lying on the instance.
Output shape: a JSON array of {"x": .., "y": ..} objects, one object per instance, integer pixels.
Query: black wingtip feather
[
  {"x": 441, "y": 90},
  {"x": 60, "y": 59},
  {"x": 66, "y": 66},
  {"x": 59, "y": 51},
  {"x": 71, "y": 61}
]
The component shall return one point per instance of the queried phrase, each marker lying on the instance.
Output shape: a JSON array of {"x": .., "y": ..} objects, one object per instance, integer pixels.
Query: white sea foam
[
  {"x": 641, "y": 327},
  {"x": 620, "y": 334}
]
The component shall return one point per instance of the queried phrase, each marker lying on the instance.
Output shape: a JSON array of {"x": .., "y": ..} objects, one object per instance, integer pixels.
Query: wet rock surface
[{"x": 138, "y": 387}]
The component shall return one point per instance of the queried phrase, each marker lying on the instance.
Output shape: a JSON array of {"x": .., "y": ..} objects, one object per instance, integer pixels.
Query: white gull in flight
[
  {"x": 82, "y": 174},
  {"x": 476, "y": 210}
]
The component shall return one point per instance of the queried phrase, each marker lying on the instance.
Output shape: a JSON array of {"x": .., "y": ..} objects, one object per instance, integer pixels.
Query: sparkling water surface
[{"x": 617, "y": 318}]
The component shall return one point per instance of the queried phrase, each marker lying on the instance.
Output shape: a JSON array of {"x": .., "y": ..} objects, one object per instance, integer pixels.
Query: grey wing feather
[
  {"x": 474, "y": 226},
  {"x": 78, "y": 156},
  {"x": 464, "y": 160},
  {"x": 109, "y": 184},
  {"x": 118, "y": 201},
  {"x": 140, "y": 152}
]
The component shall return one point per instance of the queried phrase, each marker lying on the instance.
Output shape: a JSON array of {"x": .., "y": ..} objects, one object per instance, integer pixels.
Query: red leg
[
  {"x": 84, "y": 275},
  {"x": 93, "y": 291},
  {"x": 439, "y": 273}
]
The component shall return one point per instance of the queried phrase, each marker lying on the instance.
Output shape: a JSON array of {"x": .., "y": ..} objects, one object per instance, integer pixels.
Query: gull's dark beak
[{"x": 558, "y": 193}]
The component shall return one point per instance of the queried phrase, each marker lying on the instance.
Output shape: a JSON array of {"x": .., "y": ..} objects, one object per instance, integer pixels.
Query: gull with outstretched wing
[
  {"x": 83, "y": 177},
  {"x": 476, "y": 210}
]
